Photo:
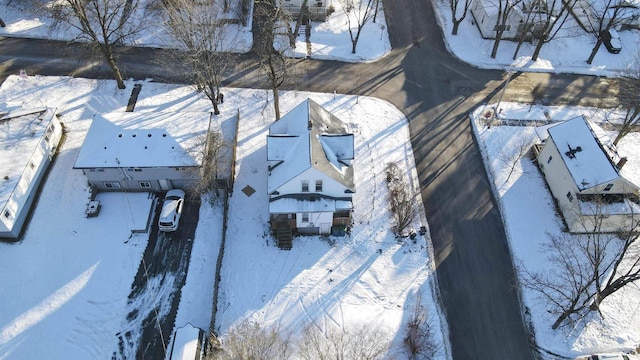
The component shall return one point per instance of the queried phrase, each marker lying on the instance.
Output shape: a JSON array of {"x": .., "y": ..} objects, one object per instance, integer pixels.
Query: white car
[
  {"x": 171, "y": 210},
  {"x": 610, "y": 357}
]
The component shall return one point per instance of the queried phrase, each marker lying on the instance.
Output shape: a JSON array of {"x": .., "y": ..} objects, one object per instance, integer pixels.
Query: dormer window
[
  {"x": 305, "y": 186},
  {"x": 608, "y": 187},
  {"x": 318, "y": 185}
]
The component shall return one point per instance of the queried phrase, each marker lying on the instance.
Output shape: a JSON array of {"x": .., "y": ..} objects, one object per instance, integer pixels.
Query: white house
[
  {"x": 318, "y": 9},
  {"x": 582, "y": 168},
  {"x": 485, "y": 15},
  {"x": 310, "y": 182},
  {"x": 29, "y": 139},
  {"x": 144, "y": 151}
]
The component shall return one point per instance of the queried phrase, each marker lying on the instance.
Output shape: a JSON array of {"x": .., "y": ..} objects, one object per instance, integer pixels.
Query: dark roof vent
[{"x": 572, "y": 152}]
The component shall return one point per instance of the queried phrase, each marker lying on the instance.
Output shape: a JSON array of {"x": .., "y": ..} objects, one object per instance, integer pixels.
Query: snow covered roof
[
  {"x": 20, "y": 133},
  {"x": 144, "y": 139},
  {"x": 309, "y": 136},
  {"x": 583, "y": 153},
  {"x": 186, "y": 343}
]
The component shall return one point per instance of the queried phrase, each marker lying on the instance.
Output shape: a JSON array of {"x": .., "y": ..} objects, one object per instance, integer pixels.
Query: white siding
[
  {"x": 19, "y": 202},
  {"x": 330, "y": 187},
  {"x": 561, "y": 183},
  {"x": 315, "y": 219}
]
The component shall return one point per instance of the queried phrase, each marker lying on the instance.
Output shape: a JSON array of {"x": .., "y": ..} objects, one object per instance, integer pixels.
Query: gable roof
[
  {"x": 144, "y": 139},
  {"x": 309, "y": 136},
  {"x": 583, "y": 152},
  {"x": 21, "y": 131}
]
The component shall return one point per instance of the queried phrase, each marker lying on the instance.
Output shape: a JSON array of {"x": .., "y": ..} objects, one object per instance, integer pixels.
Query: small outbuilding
[
  {"x": 29, "y": 139},
  {"x": 310, "y": 182},
  {"x": 144, "y": 151},
  {"x": 582, "y": 168}
]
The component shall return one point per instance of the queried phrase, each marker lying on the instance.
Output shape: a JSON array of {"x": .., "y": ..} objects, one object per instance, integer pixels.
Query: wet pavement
[{"x": 156, "y": 289}]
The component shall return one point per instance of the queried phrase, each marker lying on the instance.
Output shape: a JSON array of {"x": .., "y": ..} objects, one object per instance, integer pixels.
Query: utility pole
[{"x": 504, "y": 89}]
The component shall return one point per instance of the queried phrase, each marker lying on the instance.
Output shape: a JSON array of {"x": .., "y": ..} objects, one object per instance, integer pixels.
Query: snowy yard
[
  {"x": 529, "y": 213},
  {"x": 75, "y": 272},
  {"x": 66, "y": 283}
]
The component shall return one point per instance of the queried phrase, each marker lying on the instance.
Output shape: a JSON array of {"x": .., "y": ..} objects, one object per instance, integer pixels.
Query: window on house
[
  {"x": 305, "y": 217},
  {"x": 100, "y": 170},
  {"x": 570, "y": 196},
  {"x": 31, "y": 164},
  {"x": 608, "y": 187},
  {"x": 318, "y": 185},
  {"x": 549, "y": 159},
  {"x": 145, "y": 184},
  {"x": 305, "y": 186},
  {"x": 7, "y": 214},
  {"x": 502, "y": 28},
  {"x": 112, "y": 185}
]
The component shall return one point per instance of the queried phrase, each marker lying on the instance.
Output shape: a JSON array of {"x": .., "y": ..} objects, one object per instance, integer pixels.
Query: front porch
[{"x": 284, "y": 227}]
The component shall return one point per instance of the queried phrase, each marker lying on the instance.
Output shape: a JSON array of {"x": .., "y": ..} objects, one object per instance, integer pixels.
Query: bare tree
[
  {"x": 629, "y": 97},
  {"x": 273, "y": 62},
  {"x": 251, "y": 341},
  {"x": 544, "y": 22},
  {"x": 401, "y": 198},
  {"x": 504, "y": 10},
  {"x": 304, "y": 12},
  {"x": 512, "y": 154},
  {"x": 455, "y": 16},
  {"x": 600, "y": 17},
  {"x": 200, "y": 29},
  {"x": 358, "y": 13},
  {"x": 625, "y": 269},
  {"x": 215, "y": 163},
  {"x": 419, "y": 338},
  {"x": 103, "y": 24},
  {"x": 363, "y": 343},
  {"x": 587, "y": 268}
]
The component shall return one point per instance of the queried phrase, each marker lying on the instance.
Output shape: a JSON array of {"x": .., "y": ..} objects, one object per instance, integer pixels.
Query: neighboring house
[
  {"x": 485, "y": 16},
  {"x": 582, "y": 168},
  {"x": 589, "y": 13},
  {"x": 29, "y": 139},
  {"x": 144, "y": 151},
  {"x": 310, "y": 181},
  {"x": 318, "y": 10}
]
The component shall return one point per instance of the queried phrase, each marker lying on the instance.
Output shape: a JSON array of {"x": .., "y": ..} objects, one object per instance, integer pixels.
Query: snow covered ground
[
  {"x": 527, "y": 227},
  {"x": 567, "y": 53},
  {"x": 72, "y": 275},
  {"x": 329, "y": 40}
]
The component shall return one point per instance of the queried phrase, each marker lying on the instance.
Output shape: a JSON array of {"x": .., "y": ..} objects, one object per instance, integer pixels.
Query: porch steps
[{"x": 284, "y": 236}]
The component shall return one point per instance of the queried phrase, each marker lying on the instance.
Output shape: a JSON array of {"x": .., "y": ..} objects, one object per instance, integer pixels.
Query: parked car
[
  {"x": 171, "y": 210},
  {"x": 609, "y": 357},
  {"x": 611, "y": 40}
]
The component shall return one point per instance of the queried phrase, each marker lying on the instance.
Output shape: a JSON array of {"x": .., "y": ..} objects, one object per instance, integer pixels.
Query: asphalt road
[{"x": 436, "y": 92}]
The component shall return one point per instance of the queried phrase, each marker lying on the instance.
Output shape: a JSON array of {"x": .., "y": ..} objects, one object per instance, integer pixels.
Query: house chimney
[{"x": 621, "y": 162}]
